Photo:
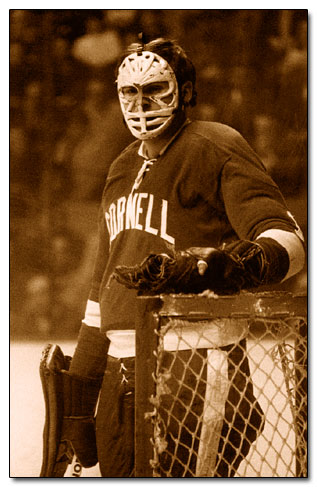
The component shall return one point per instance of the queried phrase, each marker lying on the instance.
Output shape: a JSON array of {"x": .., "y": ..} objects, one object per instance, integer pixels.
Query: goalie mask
[{"x": 146, "y": 80}]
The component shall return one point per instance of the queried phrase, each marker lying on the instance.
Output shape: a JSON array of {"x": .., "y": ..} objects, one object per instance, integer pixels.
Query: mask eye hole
[
  {"x": 156, "y": 89},
  {"x": 129, "y": 92}
]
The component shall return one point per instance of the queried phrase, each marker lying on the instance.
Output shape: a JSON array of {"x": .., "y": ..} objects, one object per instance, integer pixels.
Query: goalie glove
[
  {"x": 71, "y": 390},
  {"x": 240, "y": 265},
  {"x": 265, "y": 261},
  {"x": 78, "y": 428}
]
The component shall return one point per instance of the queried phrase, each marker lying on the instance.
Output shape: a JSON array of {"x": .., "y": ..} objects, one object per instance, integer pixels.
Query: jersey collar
[{"x": 142, "y": 149}]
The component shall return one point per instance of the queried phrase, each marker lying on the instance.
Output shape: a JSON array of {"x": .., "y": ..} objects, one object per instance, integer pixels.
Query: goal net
[{"x": 229, "y": 387}]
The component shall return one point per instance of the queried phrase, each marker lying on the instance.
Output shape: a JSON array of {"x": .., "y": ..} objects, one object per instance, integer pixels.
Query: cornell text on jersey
[{"x": 136, "y": 212}]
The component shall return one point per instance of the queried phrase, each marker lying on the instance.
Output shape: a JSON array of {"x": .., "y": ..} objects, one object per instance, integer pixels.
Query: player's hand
[
  {"x": 202, "y": 254},
  {"x": 78, "y": 438},
  {"x": 78, "y": 425},
  {"x": 190, "y": 271}
]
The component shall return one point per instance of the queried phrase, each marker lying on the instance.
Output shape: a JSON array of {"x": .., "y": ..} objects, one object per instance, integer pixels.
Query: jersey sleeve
[
  {"x": 101, "y": 257},
  {"x": 252, "y": 200}
]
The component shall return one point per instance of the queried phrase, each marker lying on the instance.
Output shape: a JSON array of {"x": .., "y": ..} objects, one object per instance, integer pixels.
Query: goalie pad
[{"x": 53, "y": 361}]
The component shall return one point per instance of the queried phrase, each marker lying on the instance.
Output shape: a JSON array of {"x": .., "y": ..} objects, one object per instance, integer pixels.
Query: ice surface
[{"x": 27, "y": 409}]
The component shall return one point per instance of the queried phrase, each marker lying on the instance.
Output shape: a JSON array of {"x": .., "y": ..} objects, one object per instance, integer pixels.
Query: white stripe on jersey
[
  {"x": 293, "y": 246},
  {"x": 92, "y": 314},
  {"x": 216, "y": 333}
]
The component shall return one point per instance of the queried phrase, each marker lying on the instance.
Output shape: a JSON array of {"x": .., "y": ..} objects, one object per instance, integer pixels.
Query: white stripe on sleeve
[
  {"x": 293, "y": 246},
  {"x": 92, "y": 314}
]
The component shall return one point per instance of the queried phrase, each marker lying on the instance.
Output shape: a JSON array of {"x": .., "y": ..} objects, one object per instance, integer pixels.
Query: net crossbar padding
[{"x": 225, "y": 384}]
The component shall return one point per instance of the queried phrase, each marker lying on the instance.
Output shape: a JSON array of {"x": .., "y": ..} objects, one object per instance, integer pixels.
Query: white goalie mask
[{"x": 146, "y": 79}]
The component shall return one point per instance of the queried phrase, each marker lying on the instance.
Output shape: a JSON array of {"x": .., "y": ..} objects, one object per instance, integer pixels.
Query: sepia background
[{"x": 66, "y": 128}]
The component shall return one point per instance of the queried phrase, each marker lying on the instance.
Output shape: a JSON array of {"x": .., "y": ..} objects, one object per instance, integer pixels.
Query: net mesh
[{"x": 230, "y": 397}]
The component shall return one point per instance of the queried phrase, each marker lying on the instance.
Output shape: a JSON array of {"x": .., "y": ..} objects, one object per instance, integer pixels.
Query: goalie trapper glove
[{"x": 240, "y": 265}]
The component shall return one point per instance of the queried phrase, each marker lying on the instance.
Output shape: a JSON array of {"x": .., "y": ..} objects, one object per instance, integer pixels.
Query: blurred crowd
[{"x": 66, "y": 128}]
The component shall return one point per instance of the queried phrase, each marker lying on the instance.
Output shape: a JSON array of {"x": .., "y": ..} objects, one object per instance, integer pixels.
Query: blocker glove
[
  {"x": 239, "y": 265},
  {"x": 78, "y": 426},
  {"x": 82, "y": 385},
  {"x": 71, "y": 388}
]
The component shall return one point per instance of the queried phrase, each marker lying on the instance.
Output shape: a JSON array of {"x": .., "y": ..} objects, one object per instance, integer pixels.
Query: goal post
[{"x": 201, "y": 360}]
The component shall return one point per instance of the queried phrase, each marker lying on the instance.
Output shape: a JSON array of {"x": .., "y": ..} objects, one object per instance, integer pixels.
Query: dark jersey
[{"x": 207, "y": 188}]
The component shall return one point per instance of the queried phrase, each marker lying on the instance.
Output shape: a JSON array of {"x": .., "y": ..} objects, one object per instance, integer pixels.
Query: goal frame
[{"x": 151, "y": 313}]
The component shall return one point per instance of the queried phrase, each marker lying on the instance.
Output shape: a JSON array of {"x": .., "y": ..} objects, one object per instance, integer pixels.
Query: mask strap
[{"x": 140, "y": 48}]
